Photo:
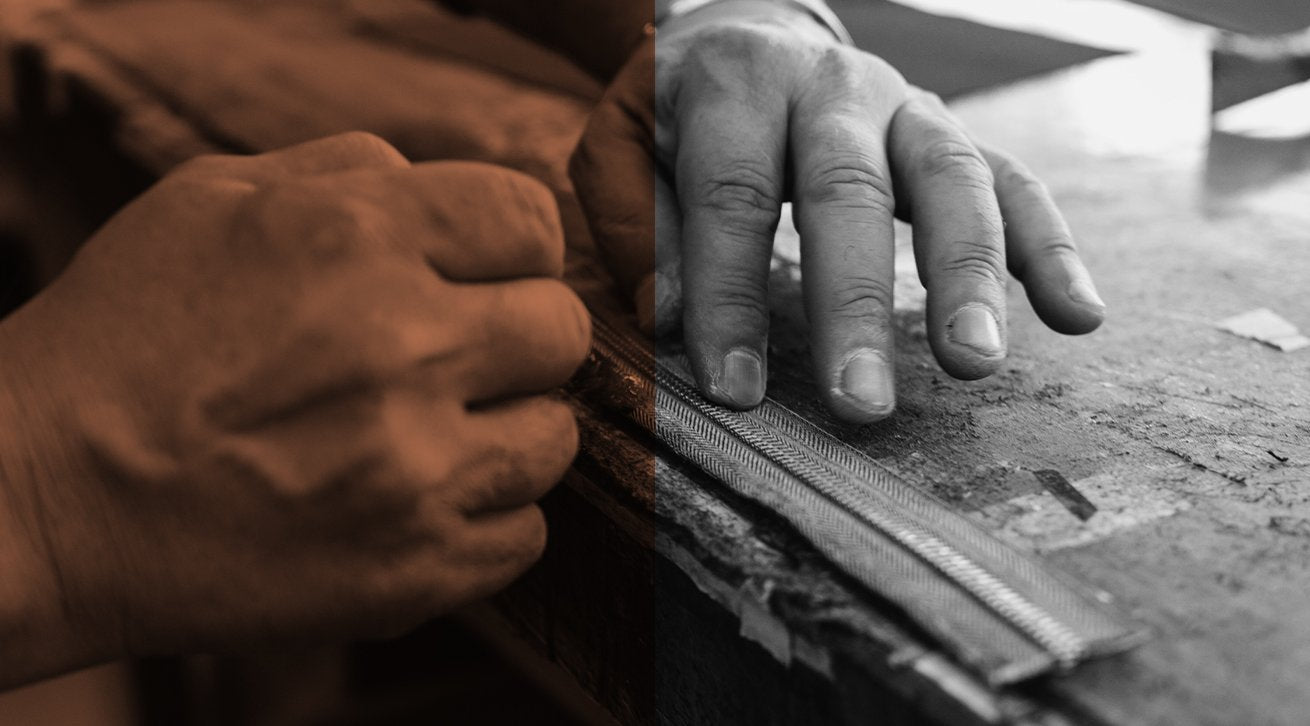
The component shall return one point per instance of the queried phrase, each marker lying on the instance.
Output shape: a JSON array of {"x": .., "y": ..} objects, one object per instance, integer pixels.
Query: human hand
[
  {"x": 745, "y": 105},
  {"x": 297, "y": 395}
]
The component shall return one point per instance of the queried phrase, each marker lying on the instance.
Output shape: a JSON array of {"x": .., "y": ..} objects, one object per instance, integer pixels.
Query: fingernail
[
  {"x": 1082, "y": 292},
  {"x": 742, "y": 380},
  {"x": 975, "y": 327},
  {"x": 867, "y": 379}
]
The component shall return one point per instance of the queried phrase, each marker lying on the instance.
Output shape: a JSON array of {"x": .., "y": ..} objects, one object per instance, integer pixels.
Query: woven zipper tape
[{"x": 995, "y": 609}]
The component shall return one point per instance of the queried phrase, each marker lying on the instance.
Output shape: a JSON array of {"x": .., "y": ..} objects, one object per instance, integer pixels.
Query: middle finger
[{"x": 844, "y": 208}]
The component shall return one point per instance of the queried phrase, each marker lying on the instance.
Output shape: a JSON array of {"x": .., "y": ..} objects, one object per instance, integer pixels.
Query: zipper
[{"x": 999, "y": 611}]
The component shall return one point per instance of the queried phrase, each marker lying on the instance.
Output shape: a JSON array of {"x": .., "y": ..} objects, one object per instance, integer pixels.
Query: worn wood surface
[{"x": 1193, "y": 444}]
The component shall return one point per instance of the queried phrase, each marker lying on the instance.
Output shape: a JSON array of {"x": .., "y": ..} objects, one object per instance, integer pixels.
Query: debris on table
[
  {"x": 1059, "y": 487},
  {"x": 1267, "y": 327},
  {"x": 1125, "y": 499},
  {"x": 1295, "y": 526}
]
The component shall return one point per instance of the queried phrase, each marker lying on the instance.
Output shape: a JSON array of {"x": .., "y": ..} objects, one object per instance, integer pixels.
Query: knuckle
[
  {"x": 526, "y": 469},
  {"x": 398, "y": 348},
  {"x": 370, "y": 356},
  {"x": 840, "y": 66},
  {"x": 1058, "y": 245},
  {"x": 740, "y": 197},
  {"x": 857, "y": 181},
  {"x": 337, "y": 225},
  {"x": 1017, "y": 179},
  {"x": 875, "y": 67},
  {"x": 528, "y": 187},
  {"x": 314, "y": 216},
  {"x": 533, "y": 229},
  {"x": 744, "y": 191},
  {"x": 744, "y": 44},
  {"x": 1055, "y": 248},
  {"x": 977, "y": 260},
  {"x": 550, "y": 438},
  {"x": 837, "y": 60},
  {"x": 548, "y": 444},
  {"x": 541, "y": 211},
  {"x": 735, "y": 291},
  {"x": 860, "y": 298},
  {"x": 347, "y": 212},
  {"x": 369, "y": 146},
  {"x": 728, "y": 38},
  {"x": 845, "y": 72},
  {"x": 957, "y": 159}
]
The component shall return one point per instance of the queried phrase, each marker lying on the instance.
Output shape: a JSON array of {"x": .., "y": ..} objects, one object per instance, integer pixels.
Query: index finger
[{"x": 730, "y": 167}]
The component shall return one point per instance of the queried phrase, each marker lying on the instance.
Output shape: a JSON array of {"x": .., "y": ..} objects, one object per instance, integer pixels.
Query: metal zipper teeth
[
  {"x": 1063, "y": 643},
  {"x": 1065, "y": 604}
]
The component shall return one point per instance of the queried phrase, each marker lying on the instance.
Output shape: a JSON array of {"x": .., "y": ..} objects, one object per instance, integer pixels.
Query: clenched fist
[{"x": 297, "y": 395}]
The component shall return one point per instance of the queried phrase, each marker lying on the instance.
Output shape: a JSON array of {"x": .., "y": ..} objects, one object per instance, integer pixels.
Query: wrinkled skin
[
  {"x": 736, "y": 109},
  {"x": 293, "y": 396}
]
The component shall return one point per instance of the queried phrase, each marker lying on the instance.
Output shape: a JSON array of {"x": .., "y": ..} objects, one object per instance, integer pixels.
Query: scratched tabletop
[
  {"x": 1161, "y": 459},
  {"x": 1193, "y": 444}
]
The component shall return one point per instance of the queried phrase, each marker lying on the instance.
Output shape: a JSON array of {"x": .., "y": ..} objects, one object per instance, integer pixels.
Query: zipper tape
[{"x": 998, "y": 611}]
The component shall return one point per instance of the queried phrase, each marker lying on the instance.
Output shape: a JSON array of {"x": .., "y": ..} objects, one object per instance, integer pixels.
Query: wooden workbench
[{"x": 671, "y": 600}]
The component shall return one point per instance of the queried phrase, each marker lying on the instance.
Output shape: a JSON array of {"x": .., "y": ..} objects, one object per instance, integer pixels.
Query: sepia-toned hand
[{"x": 296, "y": 395}]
